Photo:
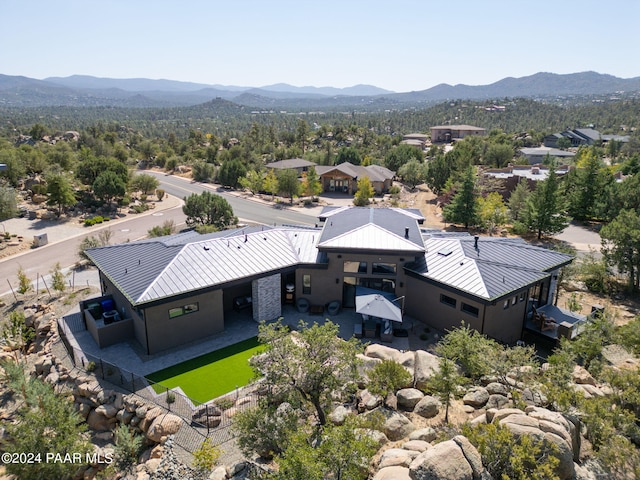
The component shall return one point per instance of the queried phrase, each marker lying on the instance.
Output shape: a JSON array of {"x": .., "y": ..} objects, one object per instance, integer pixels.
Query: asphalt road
[
  {"x": 246, "y": 210},
  {"x": 40, "y": 261}
]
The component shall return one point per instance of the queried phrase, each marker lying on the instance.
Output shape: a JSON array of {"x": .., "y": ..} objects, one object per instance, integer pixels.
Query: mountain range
[{"x": 82, "y": 90}]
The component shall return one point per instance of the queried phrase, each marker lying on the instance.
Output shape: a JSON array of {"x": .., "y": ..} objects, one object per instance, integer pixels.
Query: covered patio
[{"x": 554, "y": 322}]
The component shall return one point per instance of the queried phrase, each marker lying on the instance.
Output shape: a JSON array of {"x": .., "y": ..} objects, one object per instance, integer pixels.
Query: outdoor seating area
[
  {"x": 553, "y": 322},
  {"x": 542, "y": 321}
]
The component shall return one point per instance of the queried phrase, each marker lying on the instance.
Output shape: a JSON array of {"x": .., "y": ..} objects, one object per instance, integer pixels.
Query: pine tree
[
  {"x": 545, "y": 209},
  {"x": 464, "y": 205}
]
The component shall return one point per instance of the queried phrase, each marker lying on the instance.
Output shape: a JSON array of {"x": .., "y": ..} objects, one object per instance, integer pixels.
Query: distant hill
[
  {"x": 537, "y": 85},
  {"x": 83, "y": 90}
]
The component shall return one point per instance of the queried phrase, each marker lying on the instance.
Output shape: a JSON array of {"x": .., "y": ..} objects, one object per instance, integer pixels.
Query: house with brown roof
[{"x": 344, "y": 177}]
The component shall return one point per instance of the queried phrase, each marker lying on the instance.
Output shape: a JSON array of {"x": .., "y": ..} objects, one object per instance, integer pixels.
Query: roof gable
[
  {"x": 391, "y": 222},
  {"x": 370, "y": 237}
]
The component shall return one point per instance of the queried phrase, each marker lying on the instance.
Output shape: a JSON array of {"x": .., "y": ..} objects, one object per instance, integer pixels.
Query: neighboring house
[
  {"x": 416, "y": 139},
  {"x": 344, "y": 177},
  {"x": 176, "y": 289},
  {"x": 539, "y": 154},
  {"x": 582, "y": 136},
  {"x": 298, "y": 164},
  {"x": 532, "y": 172},
  {"x": 450, "y": 133}
]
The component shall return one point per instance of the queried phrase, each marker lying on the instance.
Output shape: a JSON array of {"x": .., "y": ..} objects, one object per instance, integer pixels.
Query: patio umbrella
[{"x": 376, "y": 305}]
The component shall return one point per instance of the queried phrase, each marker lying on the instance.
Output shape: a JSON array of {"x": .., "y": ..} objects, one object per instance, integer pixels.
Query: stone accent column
[{"x": 267, "y": 298}]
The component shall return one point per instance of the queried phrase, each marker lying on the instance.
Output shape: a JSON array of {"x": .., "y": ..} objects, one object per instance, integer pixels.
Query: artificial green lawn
[{"x": 211, "y": 375}]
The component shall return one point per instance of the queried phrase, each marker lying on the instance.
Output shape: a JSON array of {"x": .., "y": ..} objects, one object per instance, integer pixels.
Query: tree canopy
[
  {"x": 464, "y": 204},
  {"x": 544, "y": 212},
  {"x": 208, "y": 209},
  {"x": 311, "y": 364}
]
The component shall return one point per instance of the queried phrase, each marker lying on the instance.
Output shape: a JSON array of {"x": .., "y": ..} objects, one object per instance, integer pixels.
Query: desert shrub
[
  {"x": 128, "y": 446},
  {"x": 387, "y": 377},
  {"x": 206, "y": 457}
]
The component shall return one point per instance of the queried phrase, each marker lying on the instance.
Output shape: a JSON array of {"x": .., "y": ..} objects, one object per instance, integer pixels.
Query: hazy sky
[{"x": 399, "y": 45}]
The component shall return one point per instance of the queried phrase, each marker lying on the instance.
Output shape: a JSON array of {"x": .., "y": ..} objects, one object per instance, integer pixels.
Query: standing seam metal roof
[
  {"x": 497, "y": 268},
  {"x": 166, "y": 270}
]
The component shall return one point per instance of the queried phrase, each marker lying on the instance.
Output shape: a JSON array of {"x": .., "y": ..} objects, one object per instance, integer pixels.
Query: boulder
[
  {"x": 428, "y": 407},
  {"x": 377, "y": 436},
  {"x": 382, "y": 352},
  {"x": 97, "y": 421},
  {"x": 497, "y": 388},
  {"x": 162, "y": 426},
  {"x": 534, "y": 397},
  {"x": 392, "y": 473},
  {"x": 83, "y": 409},
  {"x": 425, "y": 366},
  {"x": 366, "y": 364},
  {"x": 219, "y": 473},
  {"x": 208, "y": 415},
  {"x": 397, "y": 427},
  {"x": 565, "y": 469},
  {"x": 590, "y": 391},
  {"x": 496, "y": 401},
  {"x": 108, "y": 410},
  {"x": 521, "y": 419},
  {"x": 236, "y": 469},
  {"x": 471, "y": 454},
  {"x": 339, "y": 415},
  {"x": 367, "y": 401},
  {"x": 582, "y": 473},
  {"x": 427, "y": 434},
  {"x": 391, "y": 402},
  {"x": 416, "y": 445},
  {"x": 476, "y": 397},
  {"x": 409, "y": 397},
  {"x": 497, "y": 415},
  {"x": 407, "y": 360},
  {"x": 581, "y": 376},
  {"x": 397, "y": 457},
  {"x": 443, "y": 461}
]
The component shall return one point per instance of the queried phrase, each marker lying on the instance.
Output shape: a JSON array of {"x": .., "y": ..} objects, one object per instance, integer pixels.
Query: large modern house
[
  {"x": 451, "y": 133},
  {"x": 582, "y": 136},
  {"x": 167, "y": 291}
]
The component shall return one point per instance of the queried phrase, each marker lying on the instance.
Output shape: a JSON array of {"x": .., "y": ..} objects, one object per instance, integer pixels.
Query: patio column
[
  {"x": 267, "y": 298},
  {"x": 553, "y": 284}
]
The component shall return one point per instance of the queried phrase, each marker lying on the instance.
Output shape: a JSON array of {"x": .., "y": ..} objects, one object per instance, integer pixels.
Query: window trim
[
  {"x": 182, "y": 310},
  {"x": 306, "y": 279},
  {"x": 469, "y": 309},
  {"x": 444, "y": 298},
  {"x": 394, "y": 265}
]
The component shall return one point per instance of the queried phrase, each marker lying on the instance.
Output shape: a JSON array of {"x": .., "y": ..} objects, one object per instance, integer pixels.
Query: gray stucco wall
[{"x": 165, "y": 332}]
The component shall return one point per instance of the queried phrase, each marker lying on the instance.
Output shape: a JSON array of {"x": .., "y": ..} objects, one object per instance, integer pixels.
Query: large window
[
  {"x": 384, "y": 268},
  {"x": 306, "y": 284},
  {"x": 183, "y": 310},
  {"x": 470, "y": 309},
  {"x": 355, "y": 267},
  {"x": 447, "y": 300}
]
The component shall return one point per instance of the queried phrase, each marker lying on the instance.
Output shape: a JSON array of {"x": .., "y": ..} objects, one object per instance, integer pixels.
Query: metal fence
[{"x": 201, "y": 420}]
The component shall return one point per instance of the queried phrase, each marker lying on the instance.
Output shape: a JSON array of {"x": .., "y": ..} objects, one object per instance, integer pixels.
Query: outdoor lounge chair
[{"x": 547, "y": 323}]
